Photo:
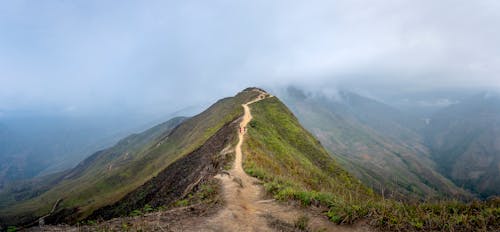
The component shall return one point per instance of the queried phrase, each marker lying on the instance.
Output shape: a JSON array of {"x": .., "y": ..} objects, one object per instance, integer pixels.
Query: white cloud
[{"x": 146, "y": 55}]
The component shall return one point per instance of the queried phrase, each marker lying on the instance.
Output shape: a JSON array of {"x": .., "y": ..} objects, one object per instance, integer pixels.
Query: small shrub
[
  {"x": 125, "y": 227},
  {"x": 147, "y": 209},
  {"x": 135, "y": 213},
  {"x": 302, "y": 223},
  {"x": 253, "y": 124},
  {"x": 182, "y": 203}
]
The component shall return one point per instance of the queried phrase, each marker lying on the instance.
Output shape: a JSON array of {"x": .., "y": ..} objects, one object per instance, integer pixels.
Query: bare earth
[{"x": 246, "y": 207}]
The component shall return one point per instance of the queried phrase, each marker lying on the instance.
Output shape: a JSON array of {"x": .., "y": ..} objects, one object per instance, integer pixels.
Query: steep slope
[
  {"x": 465, "y": 141},
  {"x": 377, "y": 143},
  {"x": 123, "y": 177},
  {"x": 291, "y": 161}
]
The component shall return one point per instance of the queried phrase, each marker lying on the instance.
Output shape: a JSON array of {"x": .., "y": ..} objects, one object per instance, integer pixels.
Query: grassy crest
[{"x": 294, "y": 166}]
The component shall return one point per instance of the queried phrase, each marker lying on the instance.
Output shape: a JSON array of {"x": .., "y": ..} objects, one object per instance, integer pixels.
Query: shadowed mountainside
[
  {"x": 374, "y": 141},
  {"x": 464, "y": 139}
]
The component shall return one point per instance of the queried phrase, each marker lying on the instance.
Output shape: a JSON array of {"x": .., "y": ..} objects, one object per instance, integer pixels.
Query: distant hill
[
  {"x": 464, "y": 139},
  {"x": 379, "y": 144},
  {"x": 37, "y": 145}
]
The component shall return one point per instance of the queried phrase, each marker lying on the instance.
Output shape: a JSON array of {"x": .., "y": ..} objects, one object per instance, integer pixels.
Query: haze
[{"x": 156, "y": 57}]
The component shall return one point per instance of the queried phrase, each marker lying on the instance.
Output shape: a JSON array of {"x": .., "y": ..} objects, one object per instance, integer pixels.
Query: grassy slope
[
  {"x": 371, "y": 141},
  {"x": 292, "y": 162},
  {"x": 294, "y": 165},
  {"x": 111, "y": 175}
]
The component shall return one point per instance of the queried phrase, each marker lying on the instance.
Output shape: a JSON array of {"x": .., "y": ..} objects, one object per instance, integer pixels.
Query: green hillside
[
  {"x": 294, "y": 166},
  {"x": 109, "y": 175},
  {"x": 279, "y": 150}
]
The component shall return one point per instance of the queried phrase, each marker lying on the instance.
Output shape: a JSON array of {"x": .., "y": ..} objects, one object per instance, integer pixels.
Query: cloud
[
  {"x": 159, "y": 56},
  {"x": 442, "y": 102}
]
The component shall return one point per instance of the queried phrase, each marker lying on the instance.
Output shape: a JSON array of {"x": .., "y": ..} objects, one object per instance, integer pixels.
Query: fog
[{"x": 153, "y": 58}]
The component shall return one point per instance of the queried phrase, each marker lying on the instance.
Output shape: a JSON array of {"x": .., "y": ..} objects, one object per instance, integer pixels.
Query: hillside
[
  {"x": 117, "y": 173},
  {"x": 377, "y": 143},
  {"x": 465, "y": 141},
  {"x": 292, "y": 162}
]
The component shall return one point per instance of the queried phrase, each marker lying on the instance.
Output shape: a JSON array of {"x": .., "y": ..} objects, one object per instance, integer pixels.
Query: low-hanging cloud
[{"x": 159, "y": 56}]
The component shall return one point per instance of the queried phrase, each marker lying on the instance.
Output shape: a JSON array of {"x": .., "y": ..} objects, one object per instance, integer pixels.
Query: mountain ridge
[{"x": 296, "y": 185}]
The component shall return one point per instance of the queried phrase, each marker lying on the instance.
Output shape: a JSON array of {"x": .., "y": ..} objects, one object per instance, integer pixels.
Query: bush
[
  {"x": 135, "y": 213},
  {"x": 302, "y": 223}
]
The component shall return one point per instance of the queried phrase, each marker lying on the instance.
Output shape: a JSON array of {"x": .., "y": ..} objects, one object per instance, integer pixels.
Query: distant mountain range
[
  {"x": 464, "y": 139},
  {"x": 405, "y": 154},
  {"x": 38, "y": 144}
]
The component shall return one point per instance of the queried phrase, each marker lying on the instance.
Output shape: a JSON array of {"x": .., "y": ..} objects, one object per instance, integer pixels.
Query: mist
[{"x": 150, "y": 59}]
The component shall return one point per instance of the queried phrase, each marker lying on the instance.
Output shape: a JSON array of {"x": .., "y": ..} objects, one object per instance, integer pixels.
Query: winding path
[{"x": 246, "y": 208}]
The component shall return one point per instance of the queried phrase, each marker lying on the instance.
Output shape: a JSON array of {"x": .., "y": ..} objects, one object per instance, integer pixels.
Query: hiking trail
[{"x": 246, "y": 208}]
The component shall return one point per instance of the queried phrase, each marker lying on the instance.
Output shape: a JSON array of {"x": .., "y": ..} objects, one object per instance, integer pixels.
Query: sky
[{"x": 157, "y": 57}]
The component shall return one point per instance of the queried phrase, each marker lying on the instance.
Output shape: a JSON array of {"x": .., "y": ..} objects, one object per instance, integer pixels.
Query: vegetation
[
  {"x": 207, "y": 193},
  {"x": 294, "y": 166},
  {"x": 302, "y": 223}
]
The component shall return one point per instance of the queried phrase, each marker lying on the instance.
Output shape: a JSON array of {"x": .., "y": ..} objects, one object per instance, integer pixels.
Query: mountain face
[
  {"x": 377, "y": 143},
  {"x": 33, "y": 145},
  {"x": 464, "y": 139},
  {"x": 155, "y": 167}
]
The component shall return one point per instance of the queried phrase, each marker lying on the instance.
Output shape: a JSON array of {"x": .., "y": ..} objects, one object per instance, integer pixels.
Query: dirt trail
[{"x": 246, "y": 208}]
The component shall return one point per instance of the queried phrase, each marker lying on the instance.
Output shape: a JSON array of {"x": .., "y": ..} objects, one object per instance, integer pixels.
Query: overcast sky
[{"x": 160, "y": 56}]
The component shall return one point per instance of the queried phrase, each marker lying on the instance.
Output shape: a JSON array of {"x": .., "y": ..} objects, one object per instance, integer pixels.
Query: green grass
[{"x": 294, "y": 166}]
